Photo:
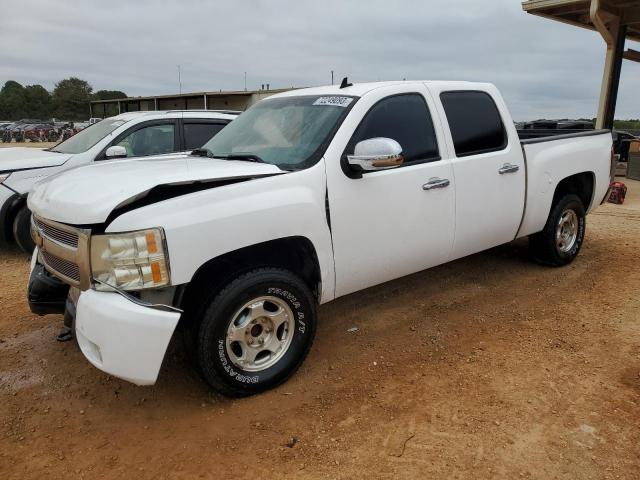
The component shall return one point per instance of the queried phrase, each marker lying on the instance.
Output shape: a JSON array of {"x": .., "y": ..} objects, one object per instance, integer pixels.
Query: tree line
[{"x": 69, "y": 100}]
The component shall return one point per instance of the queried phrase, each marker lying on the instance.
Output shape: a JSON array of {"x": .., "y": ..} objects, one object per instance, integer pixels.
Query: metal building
[
  {"x": 616, "y": 21},
  {"x": 239, "y": 100}
]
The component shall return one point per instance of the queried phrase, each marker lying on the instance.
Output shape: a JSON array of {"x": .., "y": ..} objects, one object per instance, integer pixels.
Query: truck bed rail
[{"x": 528, "y": 137}]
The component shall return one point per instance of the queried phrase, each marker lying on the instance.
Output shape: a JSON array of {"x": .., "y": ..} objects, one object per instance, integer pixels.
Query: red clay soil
[{"x": 489, "y": 367}]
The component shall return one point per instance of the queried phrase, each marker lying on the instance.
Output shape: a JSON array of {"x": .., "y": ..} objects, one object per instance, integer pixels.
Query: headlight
[
  {"x": 130, "y": 261},
  {"x": 4, "y": 176}
]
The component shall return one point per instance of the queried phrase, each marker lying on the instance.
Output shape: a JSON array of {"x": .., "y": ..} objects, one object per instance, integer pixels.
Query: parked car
[
  {"x": 37, "y": 132},
  {"x": 128, "y": 135},
  {"x": 308, "y": 196}
]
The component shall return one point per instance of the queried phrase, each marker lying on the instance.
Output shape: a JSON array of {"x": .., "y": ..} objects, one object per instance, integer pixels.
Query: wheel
[
  {"x": 560, "y": 241},
  {"x": 22, "y": 230},
  {"x": 255, "y": 332}
]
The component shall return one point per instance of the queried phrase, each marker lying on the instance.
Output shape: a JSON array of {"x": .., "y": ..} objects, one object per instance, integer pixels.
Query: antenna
[
  {"x": 179, "y": 80},
  {"x": 245, "y": 81},
  {"x": 331, "y": 77},
  {"x": 345, "y": 83}
]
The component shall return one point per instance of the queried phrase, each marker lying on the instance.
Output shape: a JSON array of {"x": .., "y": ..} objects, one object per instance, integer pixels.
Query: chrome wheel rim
[
  {"x": 260, "y": 333},
  {"x": 567, "y": 231}
]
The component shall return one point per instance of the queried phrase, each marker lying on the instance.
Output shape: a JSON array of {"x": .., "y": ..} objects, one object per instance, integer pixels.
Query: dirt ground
[{"x": 489, "y": 367}]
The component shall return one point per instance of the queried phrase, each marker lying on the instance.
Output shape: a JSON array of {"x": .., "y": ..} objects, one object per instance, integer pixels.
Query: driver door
[{"x": 389, "y": 223}]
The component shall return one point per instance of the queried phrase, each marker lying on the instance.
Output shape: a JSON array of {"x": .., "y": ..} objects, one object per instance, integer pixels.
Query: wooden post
[{"x": 611, "y": 79}]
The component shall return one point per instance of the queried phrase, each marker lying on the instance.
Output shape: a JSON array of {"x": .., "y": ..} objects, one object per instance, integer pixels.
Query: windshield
[
  {"x": 289, "y": 132},
  {"x": 88, "y": 137}
]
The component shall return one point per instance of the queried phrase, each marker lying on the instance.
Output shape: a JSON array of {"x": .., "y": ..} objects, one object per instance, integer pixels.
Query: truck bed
[{"x": 551, "y": 158}]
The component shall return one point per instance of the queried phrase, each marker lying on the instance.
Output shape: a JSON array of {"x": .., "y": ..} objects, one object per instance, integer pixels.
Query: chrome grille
[
  {"x": 62, "y": 266},
  {"x": 54, "y": 233},
  {"x": 63, "y": 250}
]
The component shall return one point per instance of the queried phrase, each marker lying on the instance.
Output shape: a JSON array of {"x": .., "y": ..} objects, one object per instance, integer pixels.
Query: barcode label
[{"x": 334, "y": 101}]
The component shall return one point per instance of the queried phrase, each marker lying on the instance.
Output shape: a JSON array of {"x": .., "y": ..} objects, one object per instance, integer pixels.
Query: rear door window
[
  {"x": 475, "y": 122},
  {"x": 197, "y": 134}
]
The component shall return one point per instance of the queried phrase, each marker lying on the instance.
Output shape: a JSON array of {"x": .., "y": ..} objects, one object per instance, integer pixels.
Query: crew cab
[
  {"x": 308, "y": 196},
  {"x": 135, "y": 134}
]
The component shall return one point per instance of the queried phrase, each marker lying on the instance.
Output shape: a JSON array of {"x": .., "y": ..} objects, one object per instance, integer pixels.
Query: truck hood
[
  {"x": 25, "y": 158},
  {"x": 87, "y": 195}
]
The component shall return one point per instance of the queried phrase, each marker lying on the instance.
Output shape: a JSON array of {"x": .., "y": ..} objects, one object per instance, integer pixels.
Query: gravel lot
[{"x": 489, "y": 367}]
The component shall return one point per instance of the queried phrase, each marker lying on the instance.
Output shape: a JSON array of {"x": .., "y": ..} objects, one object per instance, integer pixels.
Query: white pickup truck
[
  {"x": 133, "y": 134},
  {"x": 307, "y": 196}
]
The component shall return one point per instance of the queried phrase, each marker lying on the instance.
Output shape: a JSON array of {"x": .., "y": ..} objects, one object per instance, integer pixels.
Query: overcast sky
[{"x": 544, "y": 68}]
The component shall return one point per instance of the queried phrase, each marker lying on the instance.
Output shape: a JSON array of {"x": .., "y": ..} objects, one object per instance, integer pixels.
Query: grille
[
  {"x": 60, "y": 236},
  {"x": 64, "y": 267}
]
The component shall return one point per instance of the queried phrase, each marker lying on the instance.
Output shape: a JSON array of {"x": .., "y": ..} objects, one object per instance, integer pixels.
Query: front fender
[{"x": 204, "y": 225}]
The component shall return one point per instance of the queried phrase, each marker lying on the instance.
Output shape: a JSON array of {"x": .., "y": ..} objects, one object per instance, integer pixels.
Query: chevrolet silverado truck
[
  {"x": 134, "y": 134},
  {"x": 308, "y": 196}
]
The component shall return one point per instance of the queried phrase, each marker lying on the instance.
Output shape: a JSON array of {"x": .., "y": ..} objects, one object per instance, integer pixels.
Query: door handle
[
  {"x": 508, "y": 168},
  {"x": 436, "y": 182}
]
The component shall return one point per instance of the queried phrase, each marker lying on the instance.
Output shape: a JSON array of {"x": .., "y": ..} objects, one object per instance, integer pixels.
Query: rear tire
[
  {"x": 559, "y": 243},
  {"x": 255, "y": 333},
  {"x": 22, "y": 230}
]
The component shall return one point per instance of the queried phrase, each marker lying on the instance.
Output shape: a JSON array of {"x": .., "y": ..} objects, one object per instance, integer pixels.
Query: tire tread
[{"x": 214, "y": 303}]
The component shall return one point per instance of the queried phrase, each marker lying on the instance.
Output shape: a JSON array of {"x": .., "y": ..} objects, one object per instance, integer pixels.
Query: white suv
[{"x": 134, "y": 134}]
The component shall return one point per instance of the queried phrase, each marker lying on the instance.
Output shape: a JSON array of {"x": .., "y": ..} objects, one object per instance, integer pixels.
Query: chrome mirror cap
[{"x": 376, "y": 154}]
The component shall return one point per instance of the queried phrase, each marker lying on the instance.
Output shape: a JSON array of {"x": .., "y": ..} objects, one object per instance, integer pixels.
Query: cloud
[{"x": 543, "y": 68}]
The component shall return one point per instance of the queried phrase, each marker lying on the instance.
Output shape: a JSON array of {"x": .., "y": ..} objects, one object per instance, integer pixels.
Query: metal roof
[
  {"x": 577, "y": 12},
  {"x": 195, "y": 95}
]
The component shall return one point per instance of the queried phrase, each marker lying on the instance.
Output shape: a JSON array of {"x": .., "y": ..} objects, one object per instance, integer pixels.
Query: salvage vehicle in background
[
  {"x": 135, "y": 134},
  {"x": 308, "y": 196},
  {"x": 38, "y": 132}
]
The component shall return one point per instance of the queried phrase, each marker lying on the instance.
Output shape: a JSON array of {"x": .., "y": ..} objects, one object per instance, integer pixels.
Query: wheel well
[
  {"x": 296, "y": 254},
  {"x": 12, "y": 206},
  {"x": 580, "y": 184}
]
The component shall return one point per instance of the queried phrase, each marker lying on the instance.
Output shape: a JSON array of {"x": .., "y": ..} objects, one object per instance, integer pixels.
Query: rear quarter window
[
  {"x": 197, "y": 134},
  {"x": 475, "y": 122}
]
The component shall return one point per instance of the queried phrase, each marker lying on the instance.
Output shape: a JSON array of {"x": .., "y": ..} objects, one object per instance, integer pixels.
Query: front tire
[
  {"x": 255, "y": 332},
  {"x": 560, "y": 241},
  {"x": 22, "y": 230}
]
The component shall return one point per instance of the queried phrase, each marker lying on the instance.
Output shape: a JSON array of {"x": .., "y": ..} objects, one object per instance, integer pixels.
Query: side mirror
[
  {"x": 376, "y": 154},
  {"x": 116, "y": 151}
]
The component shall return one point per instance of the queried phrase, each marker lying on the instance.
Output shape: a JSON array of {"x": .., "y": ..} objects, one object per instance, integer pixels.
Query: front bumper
[{"x": 121, "y": 338}]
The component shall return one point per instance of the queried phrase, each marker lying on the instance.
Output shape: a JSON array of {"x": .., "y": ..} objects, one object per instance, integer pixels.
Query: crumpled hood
[
  {"x": 23, "y": 158},
  {"x": 89, "y": 194}
]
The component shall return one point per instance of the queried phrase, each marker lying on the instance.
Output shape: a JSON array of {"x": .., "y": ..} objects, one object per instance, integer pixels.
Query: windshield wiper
[
  {"x": 202, "y": 152},
  {"x": 249, "y": 157}
]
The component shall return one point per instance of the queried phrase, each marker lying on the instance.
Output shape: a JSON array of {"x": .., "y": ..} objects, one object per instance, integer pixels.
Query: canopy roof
[{"x": 577, "y": 12}]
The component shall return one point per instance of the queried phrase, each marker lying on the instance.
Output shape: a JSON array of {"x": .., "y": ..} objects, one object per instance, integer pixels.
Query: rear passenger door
[
  {"x": 197, "y": 132},
  {"x": 488, "y": 167}
]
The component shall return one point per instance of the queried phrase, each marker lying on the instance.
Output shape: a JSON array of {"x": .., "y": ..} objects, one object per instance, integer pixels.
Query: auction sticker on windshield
[{"x": 334, "y": 101}]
